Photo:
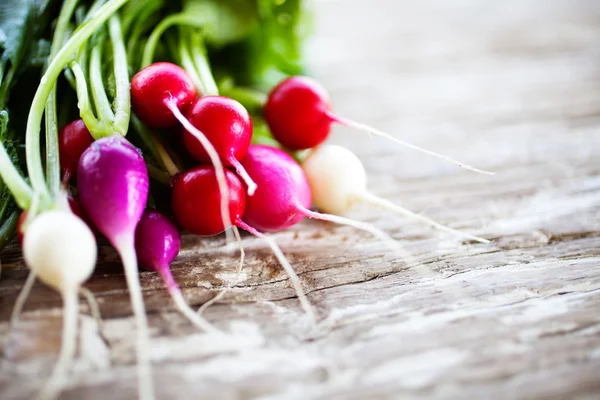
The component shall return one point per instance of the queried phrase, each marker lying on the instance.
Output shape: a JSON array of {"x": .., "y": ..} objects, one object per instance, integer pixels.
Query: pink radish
[
  {"x": 157, "y": 243},
  {"x": 338, "y": 181},
  {"x": 283, "y": 196},
  {"x": 226, "y": 123},
  {"x": 113, "y": 188},
  {"x": 61, "y": 250},
  {"x": 160, "y": 93},
  {"x": 195, "y": 205},
  {"x": 299, "y": 115}
]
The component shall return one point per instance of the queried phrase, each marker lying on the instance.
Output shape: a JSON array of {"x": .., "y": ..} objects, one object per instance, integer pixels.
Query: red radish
[
  {"x": 153, "y": 86},
  {"x": 157, "y": 243},
  {"x": 113, "y": 188},
  {"x": 283, "y": 195},
  {"x": 338, "y": 181},
  {"x": 226, "y": 123},
  {"x": 61, "y": 250},
  {"x": 160, "y": 93},
  {"x": 299, "y": 115},
  {"x": 21, "y": 227},
  {"x": 195, "y": 205},
  {"x": 193, "y": 201},
  {"x": 73, "y": 139}
]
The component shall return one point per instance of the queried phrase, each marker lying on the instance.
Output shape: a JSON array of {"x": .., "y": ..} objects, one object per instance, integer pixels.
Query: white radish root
[
  {"x": 61, "y": 250},
  {"x": 338, "y": 181}
]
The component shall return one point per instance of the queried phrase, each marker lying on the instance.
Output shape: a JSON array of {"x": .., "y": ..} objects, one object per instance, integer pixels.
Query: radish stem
[
  {"x": 47, "y": 82},
  {"x": 122, "y": 101}
]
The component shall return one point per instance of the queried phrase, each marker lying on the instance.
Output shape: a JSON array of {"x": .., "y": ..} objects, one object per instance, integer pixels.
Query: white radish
[
  {"x": 61, "y": 250},
  {"x": 338, "y": 181}
]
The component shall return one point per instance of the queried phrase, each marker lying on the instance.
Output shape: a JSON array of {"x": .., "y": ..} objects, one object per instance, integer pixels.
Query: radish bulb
[
  {"x": 298, "y": 112},
  {"x": 157, "y": 243},
  {"x": 338, "y": 181},
  {"x": 61, "y": 250}
]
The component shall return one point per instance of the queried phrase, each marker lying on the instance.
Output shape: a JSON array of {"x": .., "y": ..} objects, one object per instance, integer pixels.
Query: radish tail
[
  {"x": 67, "y": 352},
  {"x": 238, "y": 238},
  {"x": 294, "y": 280},
  {"x": 241, "y": 171},
  {"x": 212, "y": 301},
  {"x": 368, "y": 129},
  {"x": 388, "y": 205},
  {"x": 145, "y": 385},
  {"x": 181, "y": 304},
  {"x": 214, "y": 158},
  {"x": 220, "y": 295},
  {"x": 93, "y": 304},
  {"x": 378, "y": 233},
  {"x": 22, "y": 298}
]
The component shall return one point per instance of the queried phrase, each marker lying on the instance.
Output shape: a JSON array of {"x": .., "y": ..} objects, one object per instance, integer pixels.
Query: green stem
[
  {"x": 158, "y": 175},
  {"x": 20, "y": 190},
  {"x": 250, "y": 98},
  {"x": 122, "y": 102},
  {"x": 199, "y": 54},
  {"x": 32, "y": 134},
  {"x": 52, "y": 151},
  {"x": 83, "y": 101},
  {"x": 103, "y": 109},
  {"x": 188, "y": 64},
  {"x": 175, "y": 19}
]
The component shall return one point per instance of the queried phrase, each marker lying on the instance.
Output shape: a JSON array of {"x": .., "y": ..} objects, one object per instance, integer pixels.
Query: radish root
[
  {"x": 386, "y": 204},
  {"x": 294, "y": 279},
  {"x": 128, "y": 256},
  {"x": 214, "y": 158},
  {"x": 371, "y": 130},
  {"x": 67, "y": 352}
]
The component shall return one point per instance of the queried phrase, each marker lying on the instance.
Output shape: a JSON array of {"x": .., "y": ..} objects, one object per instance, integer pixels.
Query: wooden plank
[{"x": 511, "y": 86}]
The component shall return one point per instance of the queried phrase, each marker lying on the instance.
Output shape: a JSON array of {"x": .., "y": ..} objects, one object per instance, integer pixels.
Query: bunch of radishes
[{"x": 193, "y": 146}]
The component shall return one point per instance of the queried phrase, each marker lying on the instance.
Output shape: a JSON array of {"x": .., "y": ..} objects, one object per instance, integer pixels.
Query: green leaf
[{"x": 224, "y": 21}]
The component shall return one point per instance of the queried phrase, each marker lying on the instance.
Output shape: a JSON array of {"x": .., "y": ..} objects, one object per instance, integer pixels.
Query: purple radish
[
  {"x": 157, "y": 244},
  {"x": 113, "y": 188}
]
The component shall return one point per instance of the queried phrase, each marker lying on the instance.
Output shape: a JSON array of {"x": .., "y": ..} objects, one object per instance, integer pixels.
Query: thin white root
[
  {"x": 215, "y": 160},
  {"x": 212, "y": 301},
  {"x": 388, "y": 205},
  {"x": 93, "y": 304},
  {"x": 145, "y": 384},
  {"x": 222, "y": 293},
  {"x": 22, "y": 298},
  {"x": 238, "y": 238},
  {"x": 294, "y": 279},
  {"x": 369, "y": 129},
  {"x": 378, "y": 233},
  {"x": 241, "y": 171},
  {"x": 54, "y": 385},
  {"x": 194, "y": 318}
]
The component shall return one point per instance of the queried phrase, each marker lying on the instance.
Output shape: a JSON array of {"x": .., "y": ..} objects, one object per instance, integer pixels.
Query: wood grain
[{"x": 511, "y": 86}]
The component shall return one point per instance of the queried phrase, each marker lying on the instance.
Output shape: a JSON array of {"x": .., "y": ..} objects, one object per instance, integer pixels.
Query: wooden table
[{"x": 512, "y": 86}]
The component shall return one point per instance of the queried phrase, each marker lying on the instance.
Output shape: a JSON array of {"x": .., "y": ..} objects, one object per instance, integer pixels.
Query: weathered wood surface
[{"x": 512, "y": 86}]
